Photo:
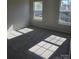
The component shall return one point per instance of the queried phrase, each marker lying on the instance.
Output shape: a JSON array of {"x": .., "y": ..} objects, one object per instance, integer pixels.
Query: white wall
[
  {"x": 50, "y": 17},
  {"x": 17, "y": 13}
]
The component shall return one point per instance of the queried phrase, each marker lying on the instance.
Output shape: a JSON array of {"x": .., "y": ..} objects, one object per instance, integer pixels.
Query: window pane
[
  {"x": 37, "y": 10},
  {"x": 65, "y": 12}
]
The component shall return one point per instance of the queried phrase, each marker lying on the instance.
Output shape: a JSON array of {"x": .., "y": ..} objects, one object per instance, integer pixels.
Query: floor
[{"x": 19, "y": 46}]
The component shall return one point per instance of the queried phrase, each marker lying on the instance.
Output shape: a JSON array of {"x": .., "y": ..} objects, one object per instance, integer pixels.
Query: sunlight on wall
[
  {"x": 11, "y": 33},
  {"x": 44, "y": 49},
  {"x": 10, "y": 28},
  {"x": 56, "y": 39},
  {"x": 25, "y": 30}
]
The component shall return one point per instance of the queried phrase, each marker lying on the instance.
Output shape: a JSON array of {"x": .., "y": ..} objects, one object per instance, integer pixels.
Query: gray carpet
[{"x": 17, "y": 48}]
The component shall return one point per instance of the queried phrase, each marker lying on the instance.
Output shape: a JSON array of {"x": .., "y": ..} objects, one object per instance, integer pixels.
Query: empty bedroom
[{"x": 38, "y": 29}]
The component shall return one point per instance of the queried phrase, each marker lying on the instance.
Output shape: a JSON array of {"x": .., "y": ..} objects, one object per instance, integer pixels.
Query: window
[
  {"x": 37, "y": 10},
  {"x": 65, "y": 12}
]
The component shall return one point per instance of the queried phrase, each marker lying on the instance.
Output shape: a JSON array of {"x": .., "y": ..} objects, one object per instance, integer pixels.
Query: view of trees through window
[
  {"x": 37, "y": 9},
  {"x": 65, "y": 12}
]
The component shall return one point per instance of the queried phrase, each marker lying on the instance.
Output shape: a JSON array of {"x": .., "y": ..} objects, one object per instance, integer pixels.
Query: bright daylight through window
[
  {"x": 65, "y": 12},
  {"x": 37, "y": 10}
]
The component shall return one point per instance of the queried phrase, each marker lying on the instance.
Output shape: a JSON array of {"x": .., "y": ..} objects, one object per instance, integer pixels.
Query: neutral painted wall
[
  {"x": 17, "y": 13},
  {"x": 50, "y": 17}
]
